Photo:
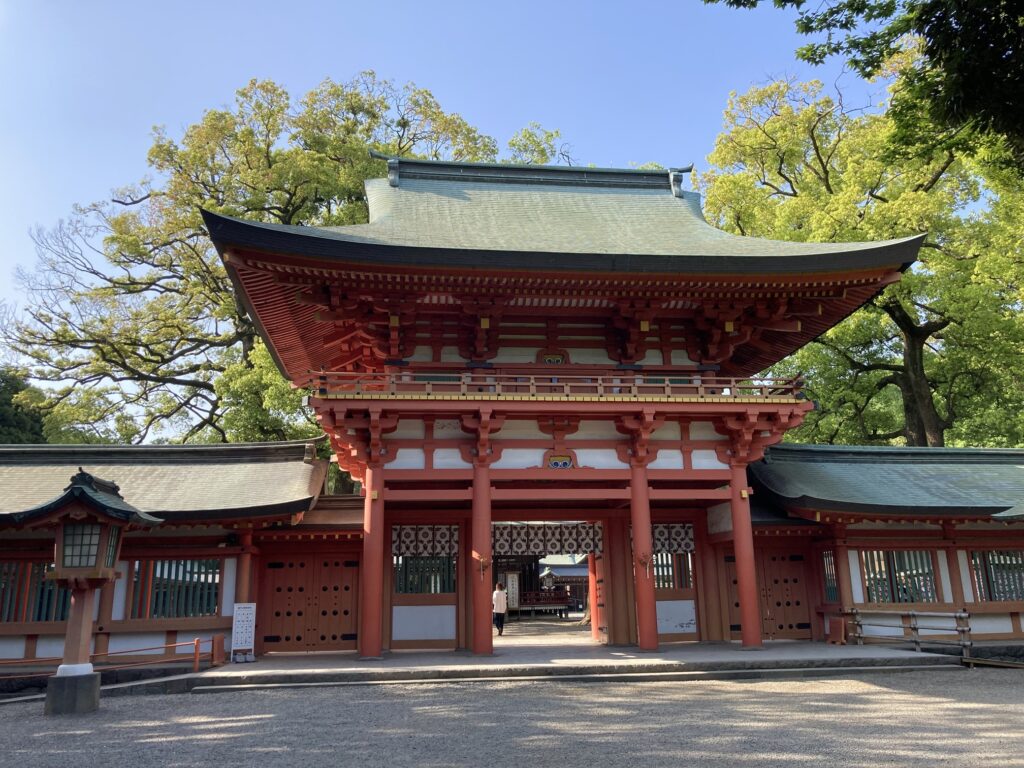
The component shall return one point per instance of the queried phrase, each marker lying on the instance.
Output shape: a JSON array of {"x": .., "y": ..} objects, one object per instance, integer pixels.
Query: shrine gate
[{"x": 575, "y": 348}]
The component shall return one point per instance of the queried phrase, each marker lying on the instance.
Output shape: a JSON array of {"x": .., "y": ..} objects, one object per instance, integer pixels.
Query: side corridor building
[{"x": 520, "y": 361}]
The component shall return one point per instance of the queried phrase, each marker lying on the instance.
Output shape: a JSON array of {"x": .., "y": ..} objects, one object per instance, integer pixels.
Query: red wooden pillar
[
  {"x": 371, "y": 579},
  {"x": 243, "y": 578},
  {"x": 483, "y": 640},
  {"x": 843, "y": 577},
  {"x": 106, "y": 615},
  {"x": 743, "y": 548},
  {"x": 595, "y": 611},
  {"x": 707, "y": 582},
  {"x": 643, "y": 565}
]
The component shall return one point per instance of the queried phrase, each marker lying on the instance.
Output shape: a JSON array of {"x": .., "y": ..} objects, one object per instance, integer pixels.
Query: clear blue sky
[{"x": 625, "y": 82}]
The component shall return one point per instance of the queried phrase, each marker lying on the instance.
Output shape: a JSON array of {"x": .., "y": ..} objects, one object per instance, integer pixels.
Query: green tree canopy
[
  {"x": 130, "y": 318},
  {"x": 971, "y": 72},
  {"x": 932, "y": 360},
  {"x": 20, "y": 421}
]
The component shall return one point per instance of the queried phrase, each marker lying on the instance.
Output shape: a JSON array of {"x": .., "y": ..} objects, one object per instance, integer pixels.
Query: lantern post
[{"x": 89, "y": 520}]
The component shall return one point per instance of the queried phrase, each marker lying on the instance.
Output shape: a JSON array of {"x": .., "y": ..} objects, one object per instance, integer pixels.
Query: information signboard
[
  {"x": 243, "y": 628},
  {"x": 512, "y": 590}
]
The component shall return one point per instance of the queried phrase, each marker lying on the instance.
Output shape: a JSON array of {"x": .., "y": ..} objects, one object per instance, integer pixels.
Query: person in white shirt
[{"x": 499, "y": 602}]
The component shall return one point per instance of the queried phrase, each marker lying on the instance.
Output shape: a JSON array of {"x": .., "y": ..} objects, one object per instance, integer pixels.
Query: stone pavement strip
[{"x": 971, "y": 719}]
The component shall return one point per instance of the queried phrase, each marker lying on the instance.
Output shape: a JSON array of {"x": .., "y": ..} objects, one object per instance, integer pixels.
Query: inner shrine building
[{"x": 519, "y": 360}]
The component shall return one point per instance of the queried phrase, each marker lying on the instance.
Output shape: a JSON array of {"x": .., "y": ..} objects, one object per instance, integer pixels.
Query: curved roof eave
[{"x": 791, "y": 258}]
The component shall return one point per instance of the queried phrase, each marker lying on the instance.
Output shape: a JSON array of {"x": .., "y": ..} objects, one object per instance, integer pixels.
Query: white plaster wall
[
  {"x": 408, "y": 458},
  {"x": 704, "y": 430},
  {"x": 720, "y": 518},
  {"x": 423, "y": 622},
  {"x": 408, "y": 429},
  {"x": 965, "y": 575},
  {"x": 653, "y": 357},
  {"x": 944, "y": 580},
  {"x": 132, "y": 640},
  {"x": 228, "y": 586},
  {"x": 96, "y": 606},
  {"x": 204, "y": 636},
  {"x": 519, "y": 458},
  {"x": 668, "y": 431},
  {"x": 53, "y": 645},
  {"x": 521, "y": 429},
  {"x": 450, "y": 355},
  {"x": 12, "y": 647},
  {"x": 893, "y": 628},
  {"x": 588, "y": 356},
  {"x": 706, "y": 460},
  {"x": 120, "y": 591},
  {"x": 516, "y": 355},
  {"x": 600, "y": 458},
  {"x": 856, "y": 585},
  {"x": 679, "y": 357},
  {"x": 422, "y": 355},
  {"x": 983, "y": 624},
  {"x": 676, "y": 616},
  {"x": 668, "y": 458},
  {"x": 594, "y": 429},
  {"x": 449, "y": 458}
]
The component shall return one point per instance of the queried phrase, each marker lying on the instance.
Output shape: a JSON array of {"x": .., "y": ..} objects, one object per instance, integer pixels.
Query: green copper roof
[
  {"x": 171, "y": 482},
  {"x": 500, "y": 216},
  {"x": 897, "y": 481},
  {"x": 596, "y": 219},
  {"x": 103, "y": 495}
]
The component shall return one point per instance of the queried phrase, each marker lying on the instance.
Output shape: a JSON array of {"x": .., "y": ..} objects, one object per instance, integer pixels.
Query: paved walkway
[{"x": 923, "y": 720}]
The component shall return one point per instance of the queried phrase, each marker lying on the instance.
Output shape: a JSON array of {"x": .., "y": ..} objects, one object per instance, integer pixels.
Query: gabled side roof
[
  {"x": 893, "y": 481},
  {"x": 171, "y": 482}
]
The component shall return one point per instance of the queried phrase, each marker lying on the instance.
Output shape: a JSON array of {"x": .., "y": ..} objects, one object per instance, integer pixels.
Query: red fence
[{"x": 215, "y": 655}]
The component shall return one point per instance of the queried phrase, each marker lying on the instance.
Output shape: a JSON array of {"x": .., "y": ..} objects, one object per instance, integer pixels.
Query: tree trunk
[{"x": 923, "y": 424}]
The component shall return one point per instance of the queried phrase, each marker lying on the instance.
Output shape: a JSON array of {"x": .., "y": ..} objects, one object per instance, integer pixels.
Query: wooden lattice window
[
  {"x": 673, "y": 570},
  {"x": 828, "y": 573},
  {"x": 899, "y": 576},
  {"x": 998, "y": 575},
  {"x": 419, "y": 575},
  {"x": 174, "y": 589},
  {"x": 26, "y": 595}
]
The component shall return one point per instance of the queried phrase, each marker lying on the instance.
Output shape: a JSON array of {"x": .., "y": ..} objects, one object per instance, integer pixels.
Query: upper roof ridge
[
  {"x": 508, "y": 173},
  {"x": 809, "y": 452}
]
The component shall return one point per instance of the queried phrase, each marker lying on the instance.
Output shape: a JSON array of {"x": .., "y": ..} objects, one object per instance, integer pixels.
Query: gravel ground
[{"x": 968, "y": 718}]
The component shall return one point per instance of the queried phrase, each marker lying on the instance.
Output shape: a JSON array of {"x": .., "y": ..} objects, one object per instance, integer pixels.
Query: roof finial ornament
[
  {"x": 675, "y": 179},
  {"x": 392, "y": 165}
]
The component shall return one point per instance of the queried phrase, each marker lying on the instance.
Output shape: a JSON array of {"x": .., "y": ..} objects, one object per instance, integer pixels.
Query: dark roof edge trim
[{"x": 310, "y": 242}]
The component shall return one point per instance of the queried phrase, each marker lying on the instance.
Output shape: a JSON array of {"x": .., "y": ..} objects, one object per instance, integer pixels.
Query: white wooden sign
[
  {"x": 512, "y": 590},
  {"x": 243, "y": 628}
]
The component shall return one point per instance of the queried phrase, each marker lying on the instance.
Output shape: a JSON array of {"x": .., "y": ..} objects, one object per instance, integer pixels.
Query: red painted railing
[
  {"x": 215, "y": 655},
  {"x": 491, "y": 385}
]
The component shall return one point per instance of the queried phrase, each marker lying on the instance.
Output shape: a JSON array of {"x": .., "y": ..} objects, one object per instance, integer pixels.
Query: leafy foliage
[
  {"x": 932, "y": 359},
  {"x": 20, "y": 421},
  {"x": 131, "y": 318},
  {"x": 971, "y": 72}
]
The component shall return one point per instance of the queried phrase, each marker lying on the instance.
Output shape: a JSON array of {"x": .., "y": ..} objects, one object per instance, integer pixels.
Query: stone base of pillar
[{"x": 72, "y": 694}]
